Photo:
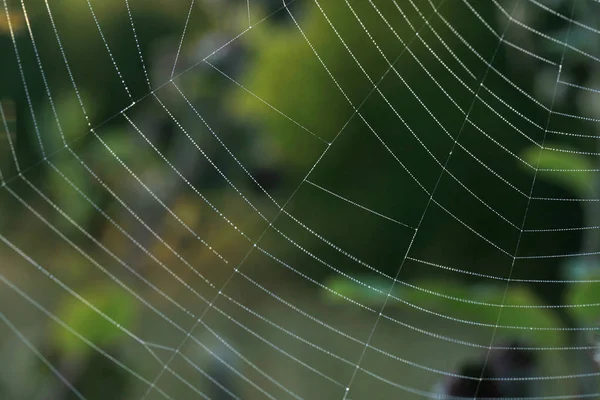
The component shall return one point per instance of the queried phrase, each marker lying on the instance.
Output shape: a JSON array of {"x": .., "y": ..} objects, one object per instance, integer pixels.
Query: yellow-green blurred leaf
[
  {"x": 116, "y": 305},
  {"x": 557, "y": 164},
  {"x": 372, "y": 292},
  {"x": 585, "y": 296},
  {"x": 454, "y": 300}
]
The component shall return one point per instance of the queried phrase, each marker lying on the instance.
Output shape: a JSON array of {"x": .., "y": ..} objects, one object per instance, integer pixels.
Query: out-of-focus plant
[
  {"x": 102, "y": 321},
  {"x": 581, "y": 300},
  {"x": 568, "y": 165},
  {"x": 478, "y": 303},
  {"x": 563, "y": 167},
  {"x": 313, "y": 99},
  {"x": 98, "y": 329}
]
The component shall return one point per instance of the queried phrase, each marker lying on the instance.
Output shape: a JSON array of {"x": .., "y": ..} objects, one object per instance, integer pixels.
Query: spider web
[{"x": 224, "y": 310}]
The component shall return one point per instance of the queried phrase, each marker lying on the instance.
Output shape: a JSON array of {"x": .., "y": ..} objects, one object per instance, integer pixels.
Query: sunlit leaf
[
  {"x": 373, "y": 292},
  {"x": 115, "y": 304},
  {"x": 585, "y": 296},
  {"x": 456, "y": 301},
  {"x": 558, "y": 165}
]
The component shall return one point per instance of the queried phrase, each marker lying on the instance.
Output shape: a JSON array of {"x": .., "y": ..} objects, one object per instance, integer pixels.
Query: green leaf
[
  {"x": 116, "y": 305},
  {"x": 454, "y": 300},
  {"x": 558, "y": 165},
  {"x": 585, "y": 296},
  {"x": 372, "y": 292}
]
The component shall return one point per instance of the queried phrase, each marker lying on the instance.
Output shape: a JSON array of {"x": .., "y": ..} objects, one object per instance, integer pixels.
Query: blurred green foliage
[
  {"x": 89, "y": 323},
  {"x": 358, "y": 165},
  {"x": 284, "y": 71},
  {"x": 521, "y": 310},
  {"x": 563, "y": 167},
  {"x": 584, "y": 300}
]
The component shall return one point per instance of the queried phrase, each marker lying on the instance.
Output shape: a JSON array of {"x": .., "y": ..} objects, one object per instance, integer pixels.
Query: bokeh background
[{"x": 436, "y": 160}]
